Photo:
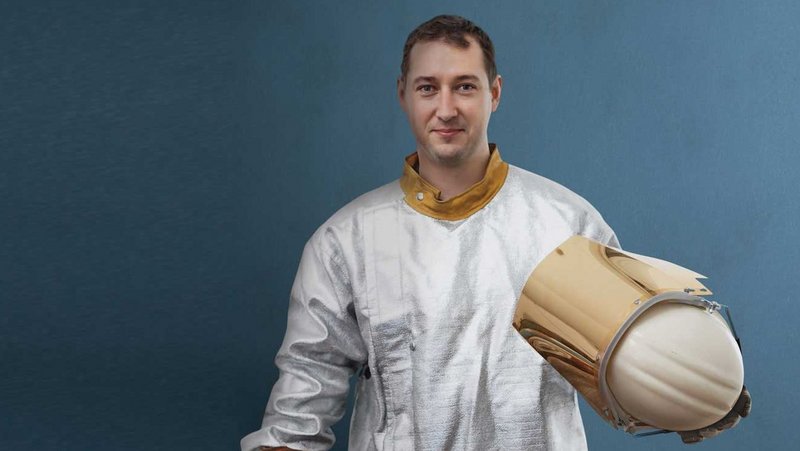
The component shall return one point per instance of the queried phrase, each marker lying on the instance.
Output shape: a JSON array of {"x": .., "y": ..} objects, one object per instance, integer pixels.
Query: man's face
[{"x": 448, "y": 99}]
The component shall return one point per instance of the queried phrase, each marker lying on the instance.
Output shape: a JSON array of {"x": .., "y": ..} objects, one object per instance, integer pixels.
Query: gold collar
[{"x": 424, "y": 197}]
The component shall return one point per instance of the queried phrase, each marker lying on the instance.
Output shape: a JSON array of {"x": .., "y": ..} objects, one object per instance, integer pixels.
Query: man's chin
[{"x": 447, "y": 155}]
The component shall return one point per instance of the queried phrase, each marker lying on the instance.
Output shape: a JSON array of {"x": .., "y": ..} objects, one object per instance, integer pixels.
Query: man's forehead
[{"x": 440, "y": 58}]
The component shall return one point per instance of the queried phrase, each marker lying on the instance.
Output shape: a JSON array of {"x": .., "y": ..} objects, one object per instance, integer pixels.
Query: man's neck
[{"x": 454, "y": 180}]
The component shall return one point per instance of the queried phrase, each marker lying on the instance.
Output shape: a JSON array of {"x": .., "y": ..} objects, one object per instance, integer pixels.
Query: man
[{"x": 414, "y": 284}]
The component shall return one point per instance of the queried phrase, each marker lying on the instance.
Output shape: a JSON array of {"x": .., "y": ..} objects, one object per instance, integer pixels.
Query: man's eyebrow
[
  {"x": 460, "y": 78},
  {"x": 424, "y": 79},
  {"x": 468, "y": 78}
]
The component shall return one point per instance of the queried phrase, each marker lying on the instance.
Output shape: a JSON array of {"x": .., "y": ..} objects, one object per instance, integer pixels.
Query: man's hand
[{"x": 740, "y": 410}]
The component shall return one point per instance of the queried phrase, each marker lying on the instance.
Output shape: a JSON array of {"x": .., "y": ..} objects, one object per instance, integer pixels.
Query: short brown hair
[{"x": 452, "y": 30}]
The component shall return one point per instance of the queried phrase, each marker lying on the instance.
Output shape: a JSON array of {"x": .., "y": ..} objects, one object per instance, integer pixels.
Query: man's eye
[
  {"x": 467, "y": 88},
  {"x": 426, "y": 89}
]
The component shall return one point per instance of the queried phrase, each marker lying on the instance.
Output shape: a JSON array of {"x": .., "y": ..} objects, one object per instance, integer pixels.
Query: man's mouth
[{"x": 447, "y": 132}]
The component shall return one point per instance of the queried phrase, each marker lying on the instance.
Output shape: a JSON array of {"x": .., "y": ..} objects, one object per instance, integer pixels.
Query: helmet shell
[{"x": 677, "y": 367}]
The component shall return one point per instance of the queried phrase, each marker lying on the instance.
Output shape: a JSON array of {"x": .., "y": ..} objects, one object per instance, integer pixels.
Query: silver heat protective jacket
[{"x": 422, "y": 309}]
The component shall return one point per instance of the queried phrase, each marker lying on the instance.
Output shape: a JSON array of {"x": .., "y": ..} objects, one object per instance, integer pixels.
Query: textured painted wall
[{"x": 163, "y": 163}]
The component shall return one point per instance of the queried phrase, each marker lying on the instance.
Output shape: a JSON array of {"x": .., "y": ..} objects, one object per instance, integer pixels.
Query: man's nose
[{"x": 446, "y": 109}]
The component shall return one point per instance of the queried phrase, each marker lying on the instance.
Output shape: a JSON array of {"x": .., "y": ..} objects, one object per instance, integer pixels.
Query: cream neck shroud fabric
[{"x": 427, "y": 304}]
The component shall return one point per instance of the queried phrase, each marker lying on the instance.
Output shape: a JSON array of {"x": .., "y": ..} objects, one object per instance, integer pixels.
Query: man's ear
[
  {"x": 497, "y": 88},
  {"x": 401, "y": 91}
]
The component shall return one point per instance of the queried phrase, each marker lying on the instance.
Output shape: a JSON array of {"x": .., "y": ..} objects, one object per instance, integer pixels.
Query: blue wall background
[{"x": 163, "y": 163}]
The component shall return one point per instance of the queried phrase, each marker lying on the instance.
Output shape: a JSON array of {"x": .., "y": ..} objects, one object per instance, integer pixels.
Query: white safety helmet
[{"x": 630, "y": 333}]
